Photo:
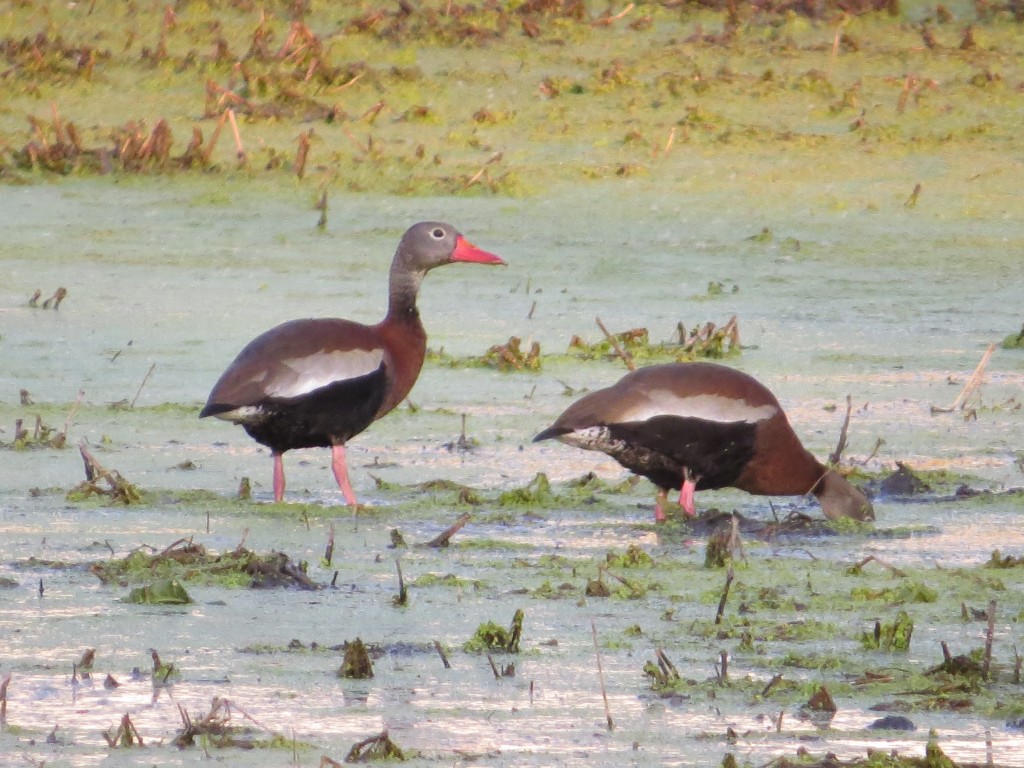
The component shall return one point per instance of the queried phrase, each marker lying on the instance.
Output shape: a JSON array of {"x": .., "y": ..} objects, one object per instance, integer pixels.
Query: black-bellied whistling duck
[
  {"x": 697, "y": 426},
  {"x": 318, "y": 382}
]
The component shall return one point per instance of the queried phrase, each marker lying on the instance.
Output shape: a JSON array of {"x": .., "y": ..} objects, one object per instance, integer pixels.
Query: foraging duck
[
  {"x": 320, "y": 381},
  {"x": 697, "y": 426}
]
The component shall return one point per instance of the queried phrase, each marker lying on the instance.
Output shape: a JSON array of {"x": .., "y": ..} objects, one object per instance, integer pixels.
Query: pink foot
[
  {"x": 659, "y": 505},
  {"x": 686, "y": 494},
  {"x": 341, "y": 474}
]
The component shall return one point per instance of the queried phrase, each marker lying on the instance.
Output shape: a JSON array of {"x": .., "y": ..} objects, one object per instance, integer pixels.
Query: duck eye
[{"x": 437, "y": 233}]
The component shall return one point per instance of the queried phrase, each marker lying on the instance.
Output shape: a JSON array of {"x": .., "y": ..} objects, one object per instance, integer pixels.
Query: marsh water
[{"x": 891, "y": 305}]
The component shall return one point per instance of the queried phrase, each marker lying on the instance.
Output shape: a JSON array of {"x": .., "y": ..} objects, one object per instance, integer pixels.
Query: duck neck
[{"x": 403, "y": 288}]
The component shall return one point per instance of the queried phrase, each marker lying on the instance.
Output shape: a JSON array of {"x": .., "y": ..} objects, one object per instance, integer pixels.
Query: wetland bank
[{"x": 762, "y": 166}]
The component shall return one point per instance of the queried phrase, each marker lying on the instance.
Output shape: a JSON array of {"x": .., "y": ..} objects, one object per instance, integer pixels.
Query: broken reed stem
[
  {"x": 610, "y": 19},
  {"x": 3, "y": 698},
  {"x": 238, "y": 137},
  {"x": 671, "y": 141},
  {"x": 302, "y": 154},
  {"x": 441, "y": 540},
  {"x": 403, "y": 594},
  {"x": 600, "y": 676},
  {"x": 837, "y": 454},
  {"x": 626, "y": 357},
  {"x": 725, "y": 596},
  {"x": 972, "y": 384},
  {"x": 836, "y": 39},
  {"x": 214, "y": 136},
  {"x": 989, "y": 638},
  {"x": 1018, "y": 661},
  {"x": 71, "y": 413},
  {"x": 494, "y": 667},
  {"x": 329, "y": 553},
  {"x": 666, "y": 664},
  {"x": 914, "y": 194},
  {"x": 724, "y": 670},
  {"x": 143, "y": 384},
  {"x": 872, "y": 558},
  {"x": 771, "y": 684},
  {"x": 442, "y": 654},
  {"x": 476, "y": 177},
  {"x": 321, "y": 224}
]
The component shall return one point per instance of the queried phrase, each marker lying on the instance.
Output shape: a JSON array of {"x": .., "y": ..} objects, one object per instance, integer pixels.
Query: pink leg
[
  {"x": 659, "y": 505},
  {"x": 278, "y": 478},
  {"x": 341, "y": 474},
  {"x": 686, "y": 493}
]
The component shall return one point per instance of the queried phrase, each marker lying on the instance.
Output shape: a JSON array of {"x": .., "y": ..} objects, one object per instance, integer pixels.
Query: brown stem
[
  {"x": 725, "y": 596},
  {"x": 442, "y": 654},
  {"x": 989, "y": 638},
  {"x": 626, "y": 357},
  {"x": 600, "y": 676},
  {"x": 836, "y": 455},
  {"x": 972, "y": 383},
  {"x": 441, "y": 540}
]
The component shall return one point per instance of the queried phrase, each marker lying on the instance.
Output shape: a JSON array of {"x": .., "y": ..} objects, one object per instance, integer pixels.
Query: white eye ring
[{"x": 437, "y": 233}]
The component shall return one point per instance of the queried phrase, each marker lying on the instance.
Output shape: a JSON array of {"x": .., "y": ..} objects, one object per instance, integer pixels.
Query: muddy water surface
[{"x": 890, "y": 305}]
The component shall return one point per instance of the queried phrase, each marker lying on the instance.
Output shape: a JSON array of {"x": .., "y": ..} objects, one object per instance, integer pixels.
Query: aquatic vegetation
[
  {"x": 162, "y": 592},
  {"x": 703, "y": 341},
  {"x": 356, "y": 664},
  {"x": 187, "y": 561},
  {"x": 493, "y": 637},
  {"x": 633, "y": 557},
  {"x": 1014, "y": 340},
  {"x": 890, "y": 636},
  {"x": 41, "y": 436},
  {"x": 216, "y": 729},
  {"x": 373, "y": 749}
]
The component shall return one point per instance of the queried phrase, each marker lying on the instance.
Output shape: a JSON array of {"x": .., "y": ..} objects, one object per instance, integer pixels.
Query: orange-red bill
[{"x": 466, "y": 251}]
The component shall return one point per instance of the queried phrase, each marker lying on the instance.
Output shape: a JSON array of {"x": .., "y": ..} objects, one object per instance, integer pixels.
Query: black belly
[
  {"x": 661, "y": 447},
  {"x": 321, "y": 418}
]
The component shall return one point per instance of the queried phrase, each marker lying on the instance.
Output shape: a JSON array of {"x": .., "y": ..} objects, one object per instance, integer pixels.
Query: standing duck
[
  {"x": 697, "y": 426},
  {"x": 317, "y": 382}
]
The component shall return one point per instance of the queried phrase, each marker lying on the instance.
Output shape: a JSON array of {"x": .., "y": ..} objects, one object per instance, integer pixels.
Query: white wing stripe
[
  {"x": 306, "y": 374},
  {"x": 725, "y": 410}
]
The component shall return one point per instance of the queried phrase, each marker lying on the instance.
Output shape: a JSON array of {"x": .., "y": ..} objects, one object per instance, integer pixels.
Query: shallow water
[{"x": 890, "y": 306}]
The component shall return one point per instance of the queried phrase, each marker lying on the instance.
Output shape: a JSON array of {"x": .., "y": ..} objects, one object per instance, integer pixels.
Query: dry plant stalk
[
  {"x": 972, "y": 384},
  {"x": 143, "y": 384},
  {"x": 483, "y": 169},
  {"x": 989, "y": 638},
  {"x": 725, "y": 596},
  {"x": 872, "y": 558},
  {"x": 3, "y": 698},
  {"x": 622, "y": 353},
  {"x": 608, "y": 20},
  {"x": 837, "y": 454},
  {"x": 127, "y": 735},
  {"x": 600, "y": 676},
  {"x": 443, "y": 538}
]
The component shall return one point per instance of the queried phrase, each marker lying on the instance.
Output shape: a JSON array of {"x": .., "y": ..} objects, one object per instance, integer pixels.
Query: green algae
[
  {"x": 161, "y": 592},
  {"x": 185, "y": 561},
  {"x": 1014, "y": 340},
  {"x": 356, "y": 664},
  {"x": 892, "y": 636},
  {"x": 446, "y": 580},
  {"x": 490, "y": 636}
]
